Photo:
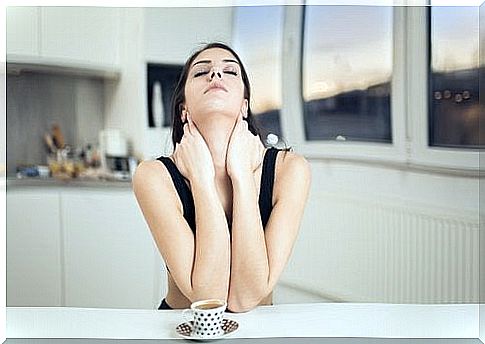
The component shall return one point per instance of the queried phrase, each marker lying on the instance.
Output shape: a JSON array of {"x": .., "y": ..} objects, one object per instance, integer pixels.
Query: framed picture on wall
[{"x": 161, "y": 82}]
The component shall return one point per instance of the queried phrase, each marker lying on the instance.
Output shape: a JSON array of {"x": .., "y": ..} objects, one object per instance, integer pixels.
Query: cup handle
[{"x": 184, "y": 315}]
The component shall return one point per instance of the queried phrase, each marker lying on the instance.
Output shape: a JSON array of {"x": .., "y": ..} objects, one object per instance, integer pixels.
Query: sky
[
  {"x": 455, "y": 38},
  {"x": 257, "y": 38},
  {"x": 345, "y": 47}
]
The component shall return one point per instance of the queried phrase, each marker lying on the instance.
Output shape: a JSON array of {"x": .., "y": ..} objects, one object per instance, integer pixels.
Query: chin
[
  {"x": 215, "y": 112},
  {"x": 219, "y": 118}
]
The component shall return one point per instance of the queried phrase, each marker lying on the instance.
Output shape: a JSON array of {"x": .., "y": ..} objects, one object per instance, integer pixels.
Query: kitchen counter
[
  {"x": 286, "y": 320},
  {"x": 13, "y": 182}
]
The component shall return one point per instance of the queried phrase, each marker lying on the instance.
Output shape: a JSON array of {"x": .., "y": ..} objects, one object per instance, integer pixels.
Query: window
[
  {"x": 453, "y": 78},
  {"x": 347, "y": 70},
  {"x": 257, "y": 38}
]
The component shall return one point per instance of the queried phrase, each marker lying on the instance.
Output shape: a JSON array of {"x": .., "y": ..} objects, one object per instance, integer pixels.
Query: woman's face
[{"x": 214, "y": 87}]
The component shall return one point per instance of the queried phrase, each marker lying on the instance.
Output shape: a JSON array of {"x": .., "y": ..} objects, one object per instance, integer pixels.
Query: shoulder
[
  {"x": 291, "y": 164},
  {"x": 151, "y": 176},
  {"x": 292, "y": 170},
  {"x": 149, "y": 171}
]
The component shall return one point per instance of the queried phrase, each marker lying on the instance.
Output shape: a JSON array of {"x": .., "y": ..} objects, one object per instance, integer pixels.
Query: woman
[{"x": 224, "y": 211}]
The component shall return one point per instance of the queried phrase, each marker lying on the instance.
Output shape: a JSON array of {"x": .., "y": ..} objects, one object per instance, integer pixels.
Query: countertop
[
  {"x": 13, "y": 182},
  {"x": 286, "y": 320}
]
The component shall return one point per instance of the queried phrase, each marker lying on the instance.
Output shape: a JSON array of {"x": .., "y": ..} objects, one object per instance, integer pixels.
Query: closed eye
[
  {"x": 200, "y": 73},
  {"x": 203, "y": 72}
]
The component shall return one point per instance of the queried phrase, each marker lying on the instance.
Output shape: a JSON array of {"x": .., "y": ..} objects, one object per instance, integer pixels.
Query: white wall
[
  {"x": 125, "y": 105},
  {"x": 377, "y": 234},
  {"x": 171, "y": 35}
]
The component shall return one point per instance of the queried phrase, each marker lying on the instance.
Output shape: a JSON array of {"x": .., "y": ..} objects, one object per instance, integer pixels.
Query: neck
[{"x": 217, "y": 135}]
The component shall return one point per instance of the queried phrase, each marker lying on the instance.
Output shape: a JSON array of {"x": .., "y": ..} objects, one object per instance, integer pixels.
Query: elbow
[
  {"x": 240, "y": 307},
  {"x": 243, "y": 304}
]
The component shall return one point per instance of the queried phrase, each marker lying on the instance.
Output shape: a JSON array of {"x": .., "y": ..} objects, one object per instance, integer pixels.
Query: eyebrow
[{"x": 209, "y": 61}]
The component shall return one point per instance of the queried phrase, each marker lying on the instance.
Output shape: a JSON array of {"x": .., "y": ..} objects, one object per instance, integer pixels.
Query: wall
[
  {"x": 35, "y": 101},
  {"x": 377, "y": 234}
]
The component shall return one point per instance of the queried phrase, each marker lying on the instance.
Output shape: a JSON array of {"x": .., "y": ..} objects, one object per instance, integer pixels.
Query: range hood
[{"x": 18, "y": 64}]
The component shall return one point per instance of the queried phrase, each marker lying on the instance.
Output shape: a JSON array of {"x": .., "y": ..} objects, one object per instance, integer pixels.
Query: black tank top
[{"x": 265, "y": 193}]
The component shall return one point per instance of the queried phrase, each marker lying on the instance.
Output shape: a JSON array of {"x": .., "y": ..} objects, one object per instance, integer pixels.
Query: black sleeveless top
[{"x": 265, "y": 193}]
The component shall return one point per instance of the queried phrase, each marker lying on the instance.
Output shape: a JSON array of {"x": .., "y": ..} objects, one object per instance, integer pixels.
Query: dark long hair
[{"x": 178, "y": 98}]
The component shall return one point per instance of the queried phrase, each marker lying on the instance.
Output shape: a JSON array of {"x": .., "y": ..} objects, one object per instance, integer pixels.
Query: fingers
[
  {"x": 189, "y": 126},
  {"x": 176, "y": 152},
  {"x": 190, "y": 123},
  {"x": 241, "y": 123},
  {"x": 192, "y": 126},
  {"x": 186, "y": 129}
]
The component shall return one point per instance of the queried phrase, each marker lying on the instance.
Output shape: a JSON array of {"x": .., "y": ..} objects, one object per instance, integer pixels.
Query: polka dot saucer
[{"x": 229, "y": 326}]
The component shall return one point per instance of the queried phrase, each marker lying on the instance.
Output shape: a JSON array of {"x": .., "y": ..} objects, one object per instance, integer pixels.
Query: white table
[{"x": 286, "y": 320}]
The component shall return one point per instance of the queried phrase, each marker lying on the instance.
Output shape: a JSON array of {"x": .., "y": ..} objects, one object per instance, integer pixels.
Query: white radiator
[{"x": 362, "y": 250}]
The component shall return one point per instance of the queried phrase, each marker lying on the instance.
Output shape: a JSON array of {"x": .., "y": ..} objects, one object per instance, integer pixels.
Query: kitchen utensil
[
  {"x": 57, "y": 136},
  {"x": 49, "y": 142}
]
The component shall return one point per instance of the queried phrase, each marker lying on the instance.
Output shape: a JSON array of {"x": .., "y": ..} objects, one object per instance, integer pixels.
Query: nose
[{"x": 214, "y": 73}]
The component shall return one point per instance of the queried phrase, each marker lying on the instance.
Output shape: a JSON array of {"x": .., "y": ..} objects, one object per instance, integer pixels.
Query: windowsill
[{"x": 393, "y": 157}]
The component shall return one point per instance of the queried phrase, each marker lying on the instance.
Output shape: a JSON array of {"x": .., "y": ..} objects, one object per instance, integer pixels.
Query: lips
[{"x": 215, "y": 86}]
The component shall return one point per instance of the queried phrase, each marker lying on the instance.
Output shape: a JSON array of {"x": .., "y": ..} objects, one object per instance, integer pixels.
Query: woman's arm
[
  {"x": 259, "y": 257},
  {"x": 199, "y": 265},
  {"x": 210, "y": 276}
]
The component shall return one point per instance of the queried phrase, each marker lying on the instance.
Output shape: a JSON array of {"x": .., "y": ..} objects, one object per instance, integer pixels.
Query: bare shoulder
[
  {"x": 149, "y": 172},
  {"x": 293, "y": 173},
  {"x": 292, "y": 165},
  {"x": 152, "y": 179}
]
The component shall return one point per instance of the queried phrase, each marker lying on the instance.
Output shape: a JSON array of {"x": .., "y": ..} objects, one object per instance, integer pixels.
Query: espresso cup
[{"x": 206, "y": 317}]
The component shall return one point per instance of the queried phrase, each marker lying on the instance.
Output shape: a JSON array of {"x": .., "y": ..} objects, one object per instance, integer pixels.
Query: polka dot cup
[{"x": 207, "y": 318}]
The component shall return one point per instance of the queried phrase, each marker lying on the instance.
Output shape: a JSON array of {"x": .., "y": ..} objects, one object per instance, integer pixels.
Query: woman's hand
[
  {"x": 245, "y": 151},
  {"x": 192, "y": 156}
]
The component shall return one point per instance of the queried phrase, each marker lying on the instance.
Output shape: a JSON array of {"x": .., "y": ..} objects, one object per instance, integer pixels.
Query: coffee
[
  {"x": 209, "y": 306},
  {"x": 206, "y": 319}
]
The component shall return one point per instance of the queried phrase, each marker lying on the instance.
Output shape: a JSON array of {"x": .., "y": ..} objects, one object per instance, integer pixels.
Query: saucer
[{"x": 184, "y": 329}]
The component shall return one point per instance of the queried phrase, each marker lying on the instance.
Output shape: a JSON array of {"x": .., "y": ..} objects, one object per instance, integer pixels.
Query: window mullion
[
  {"x": 417, "y": 80},
  {"x": 292, "y": 107},
  {"x": 399, "y": 89}
]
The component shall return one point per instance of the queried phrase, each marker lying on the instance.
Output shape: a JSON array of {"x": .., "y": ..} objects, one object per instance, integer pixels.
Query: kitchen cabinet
[
  {"x": 82, "y": 37},
  {"x": 34, "y": 247},
  {"x": 80, "y": 247},
  {"x": 81, "y": 34},
  {"x": 110, "y": 257},
  {"x": 23, "y": 30}
]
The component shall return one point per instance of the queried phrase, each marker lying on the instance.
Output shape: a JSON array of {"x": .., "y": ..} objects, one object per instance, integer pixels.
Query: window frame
[
  {"x": 465, "y": 159},
  {"x": 409, "y": 103}
]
